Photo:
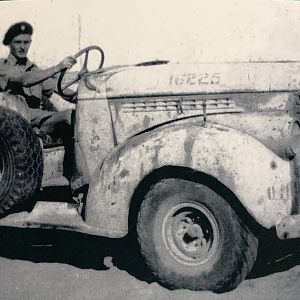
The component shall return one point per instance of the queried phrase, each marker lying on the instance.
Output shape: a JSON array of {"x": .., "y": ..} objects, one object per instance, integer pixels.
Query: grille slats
[{"x": 174, "y": 104}]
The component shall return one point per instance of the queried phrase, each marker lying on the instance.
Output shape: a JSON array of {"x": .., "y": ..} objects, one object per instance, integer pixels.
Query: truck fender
[
  {"x": 259, "y": 178},
  {"x": 15, "y": 103}
]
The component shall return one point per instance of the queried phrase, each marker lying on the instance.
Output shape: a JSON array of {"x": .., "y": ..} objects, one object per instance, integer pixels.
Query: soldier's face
[{"x": 20, "y": 44}]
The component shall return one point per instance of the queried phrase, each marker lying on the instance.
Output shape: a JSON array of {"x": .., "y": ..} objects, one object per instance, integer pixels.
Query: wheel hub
[{"x": 190, "y": 233}]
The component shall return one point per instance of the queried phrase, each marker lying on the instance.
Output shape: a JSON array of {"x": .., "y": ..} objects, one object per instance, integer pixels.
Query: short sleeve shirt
[{"x": 33, "y": 94}]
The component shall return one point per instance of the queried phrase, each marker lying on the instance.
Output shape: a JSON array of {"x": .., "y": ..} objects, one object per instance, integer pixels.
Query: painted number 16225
[{"x": 195, "y": 79}]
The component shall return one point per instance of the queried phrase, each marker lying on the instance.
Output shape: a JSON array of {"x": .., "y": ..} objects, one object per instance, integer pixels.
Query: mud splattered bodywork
[
  {"x": 133, "y": 121},
  {"x": 258, "y": 177}
]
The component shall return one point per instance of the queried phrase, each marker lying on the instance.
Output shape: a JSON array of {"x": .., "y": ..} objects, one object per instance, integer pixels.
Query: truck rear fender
[{"x": 259, "y": 178}]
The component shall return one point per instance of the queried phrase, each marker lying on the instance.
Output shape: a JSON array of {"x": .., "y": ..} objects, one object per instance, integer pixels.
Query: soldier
[{"x": 19, "y": 76}]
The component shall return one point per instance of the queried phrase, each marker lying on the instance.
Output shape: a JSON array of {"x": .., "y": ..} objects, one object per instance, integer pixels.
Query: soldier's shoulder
[
  {"x": 31, "y": 65},
  {"x": 2, "y": 60}
]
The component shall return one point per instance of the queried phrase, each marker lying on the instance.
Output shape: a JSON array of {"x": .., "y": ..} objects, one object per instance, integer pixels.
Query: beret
[{"x": 16, "y": 29}]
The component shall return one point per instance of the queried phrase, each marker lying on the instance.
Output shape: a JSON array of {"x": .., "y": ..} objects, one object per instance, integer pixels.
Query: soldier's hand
[{"x": 68, "y": 62}]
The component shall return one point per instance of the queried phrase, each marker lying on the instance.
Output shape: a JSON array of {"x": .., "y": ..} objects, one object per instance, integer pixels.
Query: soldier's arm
[
  {"x": 17, "y": 75},
  {"x": 38, "y": 76}
]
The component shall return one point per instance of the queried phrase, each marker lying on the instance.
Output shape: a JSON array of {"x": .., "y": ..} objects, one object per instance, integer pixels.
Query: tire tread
[
  {"x": 244, "y": 250},
  {"x": 27, "y": 159}
]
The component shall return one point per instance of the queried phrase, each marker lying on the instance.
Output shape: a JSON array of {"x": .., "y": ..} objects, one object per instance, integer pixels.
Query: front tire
[
  {"x": 191, "y": 238},
  {"x": 21, "y": 160}
]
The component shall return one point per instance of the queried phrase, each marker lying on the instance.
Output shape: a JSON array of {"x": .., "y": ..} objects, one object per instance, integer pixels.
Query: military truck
[{"x": 194, "y": 160}]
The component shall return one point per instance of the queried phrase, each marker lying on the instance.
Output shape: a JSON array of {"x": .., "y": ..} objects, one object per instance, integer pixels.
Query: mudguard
[
  {"x": 16, "y": 103},
  {"x": 260, "y": 179}
]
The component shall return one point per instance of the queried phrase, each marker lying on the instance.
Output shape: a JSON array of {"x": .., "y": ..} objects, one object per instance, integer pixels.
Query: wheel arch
[{"x": 185, "y": 173}]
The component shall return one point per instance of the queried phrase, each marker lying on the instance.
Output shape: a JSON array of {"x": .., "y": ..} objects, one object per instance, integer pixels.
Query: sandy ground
[
  {"x": 39, "y": 264},
  {"x": 49, "y": 264}
]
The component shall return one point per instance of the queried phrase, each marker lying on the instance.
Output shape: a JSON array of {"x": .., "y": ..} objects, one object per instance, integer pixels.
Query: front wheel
[
  {"x": 21, "y": 161},
  {"x": 191, "y": 238}
]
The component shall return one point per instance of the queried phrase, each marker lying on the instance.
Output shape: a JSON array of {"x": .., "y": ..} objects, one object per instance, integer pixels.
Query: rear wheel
[
  {"x": 191, "y": 238},
  {"x": 21, "y": 160}
]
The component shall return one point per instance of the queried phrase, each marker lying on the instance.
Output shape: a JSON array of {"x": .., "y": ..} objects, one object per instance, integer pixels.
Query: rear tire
[
  {"x": 191, "y": 238},
  {"x": 21, "y": 160}
]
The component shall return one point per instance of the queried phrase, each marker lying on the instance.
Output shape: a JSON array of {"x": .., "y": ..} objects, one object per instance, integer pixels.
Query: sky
[{"x": 133, "y": 31}]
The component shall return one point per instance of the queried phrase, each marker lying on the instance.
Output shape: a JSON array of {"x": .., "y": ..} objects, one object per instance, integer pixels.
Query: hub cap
[{"x": 190, "y": 233}]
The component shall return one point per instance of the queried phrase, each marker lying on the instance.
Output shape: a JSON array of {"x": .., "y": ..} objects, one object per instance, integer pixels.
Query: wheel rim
[
  {"x": 190, "y": 233},
  {"x": 6, "y": 168}
]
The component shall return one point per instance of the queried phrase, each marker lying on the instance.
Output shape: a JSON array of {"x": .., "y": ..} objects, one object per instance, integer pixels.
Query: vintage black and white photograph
[{"x": 149, "y": 149}]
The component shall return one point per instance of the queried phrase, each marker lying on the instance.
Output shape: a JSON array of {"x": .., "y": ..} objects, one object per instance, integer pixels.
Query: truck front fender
[{"x": 260, "y": 179}]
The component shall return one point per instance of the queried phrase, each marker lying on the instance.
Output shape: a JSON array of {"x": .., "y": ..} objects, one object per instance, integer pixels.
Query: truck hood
[{"x": 163, "y": 78}]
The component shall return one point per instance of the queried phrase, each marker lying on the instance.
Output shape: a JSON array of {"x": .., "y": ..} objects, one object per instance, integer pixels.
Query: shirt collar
[{"x": 12, "y": 61}]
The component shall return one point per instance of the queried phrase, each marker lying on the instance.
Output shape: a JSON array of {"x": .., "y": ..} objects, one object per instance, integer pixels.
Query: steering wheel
[{"x": 70, "y": 96}]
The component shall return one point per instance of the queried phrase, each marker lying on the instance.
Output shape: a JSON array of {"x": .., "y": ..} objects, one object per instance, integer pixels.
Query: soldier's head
[{"x": 18, "y": 39}]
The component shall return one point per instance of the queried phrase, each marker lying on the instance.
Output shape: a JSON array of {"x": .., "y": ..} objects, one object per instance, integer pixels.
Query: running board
[
  {"x": 56, "y": 215},
  {"x": 289, "y": 227}
]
